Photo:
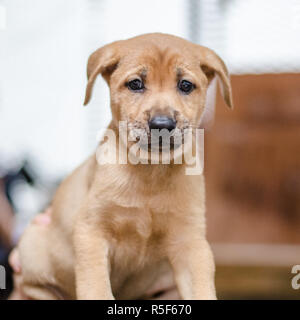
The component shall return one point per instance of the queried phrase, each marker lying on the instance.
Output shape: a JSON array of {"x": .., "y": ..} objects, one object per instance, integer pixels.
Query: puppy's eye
[
  {"x": 136, "y": 85},
  {"x": 185, "y": 86}
]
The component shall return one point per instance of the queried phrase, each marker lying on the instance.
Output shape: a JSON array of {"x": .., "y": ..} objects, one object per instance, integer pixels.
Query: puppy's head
[{"x": 157, "y": 81}]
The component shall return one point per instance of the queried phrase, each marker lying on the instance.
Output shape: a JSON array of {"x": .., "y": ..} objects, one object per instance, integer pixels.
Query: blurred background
[{"x": 252, "y": 155}]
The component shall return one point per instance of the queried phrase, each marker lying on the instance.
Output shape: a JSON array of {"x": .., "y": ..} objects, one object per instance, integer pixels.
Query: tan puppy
[{"x": 118, "y": 229}]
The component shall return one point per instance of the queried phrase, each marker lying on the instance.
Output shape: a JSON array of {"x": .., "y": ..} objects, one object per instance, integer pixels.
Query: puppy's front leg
[
  {"x": 92, "y": 264},
  {"x": 193, "y": 265}
]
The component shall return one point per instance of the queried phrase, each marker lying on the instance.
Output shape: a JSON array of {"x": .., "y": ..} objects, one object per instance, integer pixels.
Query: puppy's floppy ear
[
  {"x": 104, "y": 61},
  {"x": 212, "y": 65}
]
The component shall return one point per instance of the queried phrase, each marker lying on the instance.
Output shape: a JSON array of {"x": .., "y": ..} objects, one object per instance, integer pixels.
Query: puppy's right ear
[{"x": 104, "y": 61}]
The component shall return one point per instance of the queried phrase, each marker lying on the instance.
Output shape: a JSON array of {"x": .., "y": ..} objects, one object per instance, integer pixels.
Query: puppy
[{"x": 118, "y": 229}]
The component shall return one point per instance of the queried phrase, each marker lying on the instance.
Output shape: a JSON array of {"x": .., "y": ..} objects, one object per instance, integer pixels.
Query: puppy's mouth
[{"x": 162, "y": 142}]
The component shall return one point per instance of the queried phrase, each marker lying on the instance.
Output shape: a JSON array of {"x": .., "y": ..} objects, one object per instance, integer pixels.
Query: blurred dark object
[
  {"x": 6, "y": 229},
  {"x": 252, "y": 167},
  {"x": 6, "y": 220},
  {"x": 4, "y": 294},
  {"x": 24, "y": 175}
]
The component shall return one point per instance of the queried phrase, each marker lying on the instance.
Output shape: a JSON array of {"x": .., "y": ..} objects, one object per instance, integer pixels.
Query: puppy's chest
[{"x": 135, "y": 233}]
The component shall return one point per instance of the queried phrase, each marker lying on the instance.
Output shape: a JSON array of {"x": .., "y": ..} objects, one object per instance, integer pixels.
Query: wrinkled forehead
[{"x": 152, "y": 62}]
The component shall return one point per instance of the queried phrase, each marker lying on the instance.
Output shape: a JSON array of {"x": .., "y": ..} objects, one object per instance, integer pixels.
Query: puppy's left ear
[
  {"x": 212, "y": 65},
  {"x": 103, "y": 61}
]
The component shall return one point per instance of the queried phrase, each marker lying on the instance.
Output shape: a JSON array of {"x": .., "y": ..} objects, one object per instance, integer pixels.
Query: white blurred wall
[{"x": 253, "y": 36}]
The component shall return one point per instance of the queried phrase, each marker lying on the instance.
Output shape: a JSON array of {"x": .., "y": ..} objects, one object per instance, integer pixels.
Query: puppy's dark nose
[{"x": 162, "y": 122}]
